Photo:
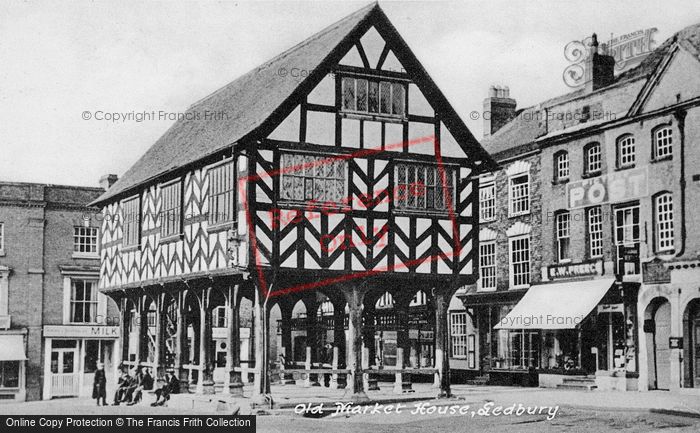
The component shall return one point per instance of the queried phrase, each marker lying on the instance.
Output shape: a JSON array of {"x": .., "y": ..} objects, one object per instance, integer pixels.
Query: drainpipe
[{"x": 680, "y": 117}]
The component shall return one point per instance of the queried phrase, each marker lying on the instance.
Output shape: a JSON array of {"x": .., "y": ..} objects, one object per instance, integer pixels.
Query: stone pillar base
[
  {"x": 355, "y": 397},
  {"x": 372, "y": 384},
  {"x": 259, "y": 401},
  {"x": 235, "y": 389},
  {"x": 208, "y": 387},
  {"x": 287, "y": 379}
]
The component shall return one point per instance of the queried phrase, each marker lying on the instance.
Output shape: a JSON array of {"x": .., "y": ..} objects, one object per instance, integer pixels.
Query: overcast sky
[{"x": 60, "y": 59}]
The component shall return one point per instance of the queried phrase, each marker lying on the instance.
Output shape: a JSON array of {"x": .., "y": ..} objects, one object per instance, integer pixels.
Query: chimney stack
[
  {"x": 599, "y": 67},
  {"x": 108, "y": 180},
  {"x": 499, "y": 109}
]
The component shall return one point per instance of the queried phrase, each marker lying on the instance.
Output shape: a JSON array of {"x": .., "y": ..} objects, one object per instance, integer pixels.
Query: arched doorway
[
  {"x": 691, "y": 334},
  {"x": 657, "y": 327}
]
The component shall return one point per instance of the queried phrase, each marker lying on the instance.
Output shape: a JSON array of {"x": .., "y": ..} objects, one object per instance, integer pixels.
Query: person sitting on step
[{"x": 171, "y": 386}]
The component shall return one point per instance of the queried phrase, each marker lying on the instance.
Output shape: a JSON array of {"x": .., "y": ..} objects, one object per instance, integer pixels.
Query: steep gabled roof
[
  {"x": 520, "y": 134},
  {"x": 252, "y": 103}
]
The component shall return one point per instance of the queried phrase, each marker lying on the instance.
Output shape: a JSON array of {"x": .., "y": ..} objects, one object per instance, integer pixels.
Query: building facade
[
  {"x": 616, "y": 237},
  {"x": 346, "y": 186},
  {"x": 56, "y": 325}
]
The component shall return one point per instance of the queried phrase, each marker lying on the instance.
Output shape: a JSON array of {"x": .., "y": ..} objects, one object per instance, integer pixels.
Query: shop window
[
  {"x": 9, "y": 374},
  {"x": 518, "y": 349}
]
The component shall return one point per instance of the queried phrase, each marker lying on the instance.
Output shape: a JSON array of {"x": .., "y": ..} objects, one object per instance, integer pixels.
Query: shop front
[
  {"x": 72, "y": 353},
  {"x": 561, "y": 332},
  {"x": 12, "y": 366}
]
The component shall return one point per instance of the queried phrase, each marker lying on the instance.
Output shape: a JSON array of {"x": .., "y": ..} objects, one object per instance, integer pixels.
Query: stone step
[
  {"x": 579, "y": 379},
  {"x": 478, "y": 380},
  {"x": 579, "y": 386}
]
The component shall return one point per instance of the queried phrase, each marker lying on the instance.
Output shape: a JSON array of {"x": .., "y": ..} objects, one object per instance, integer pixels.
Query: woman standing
[{"x": 99, "y": 390}]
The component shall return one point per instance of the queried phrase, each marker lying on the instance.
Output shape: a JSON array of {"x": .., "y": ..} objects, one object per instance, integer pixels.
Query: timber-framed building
[{"x": 337, "y": 176}]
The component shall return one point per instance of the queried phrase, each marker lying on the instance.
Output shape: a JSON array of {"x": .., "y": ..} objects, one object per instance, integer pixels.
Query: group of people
[{"x": 130, "y": 387}]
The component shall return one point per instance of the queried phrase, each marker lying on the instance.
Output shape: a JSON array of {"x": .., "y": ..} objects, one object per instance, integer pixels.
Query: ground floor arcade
[{"x": 345, "y": 334}]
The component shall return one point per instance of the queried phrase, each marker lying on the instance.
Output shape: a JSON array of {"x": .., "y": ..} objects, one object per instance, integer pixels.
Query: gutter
[{"x": 680, "y": 117}]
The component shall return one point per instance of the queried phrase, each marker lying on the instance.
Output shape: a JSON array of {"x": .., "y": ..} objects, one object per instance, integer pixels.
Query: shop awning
[
  {"x": 12, "y": 348},
  {"x": 556, "y": 306}
]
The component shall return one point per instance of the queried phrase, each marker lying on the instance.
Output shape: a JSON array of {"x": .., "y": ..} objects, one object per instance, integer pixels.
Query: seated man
[
  {"x": 145, "y": 383},
  {"x": 171, "y": 386},
  {"x": 136, "y": 377},
  {"x": 122, "y": 386}
]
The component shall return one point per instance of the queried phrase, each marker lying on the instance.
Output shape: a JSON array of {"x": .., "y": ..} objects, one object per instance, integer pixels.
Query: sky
[{"x": 61, "y": 60}]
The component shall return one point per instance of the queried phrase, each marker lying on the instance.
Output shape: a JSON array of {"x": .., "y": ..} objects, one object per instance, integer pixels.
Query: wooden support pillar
[
  {"x": 205, "y": 384},
  {"x": 159, "y": 349},
  {"x": 141, "y": 332},
  {"x": 369, "y": 350},
  {"x": 232, "y": 382},
  {"x": 311, "y": 343},
  {"x": 413, "y": 358},
  {"x": 403, "y": 379},
  {"x": 354, "y": 297},
  {"x": 442, "y": 360},
  {"x": 124, "y": 328},
  {"x": 181, "y": 342},
  {"x": 338, "y": 343},
  {"x": 261, "y": 388},
  {"x": 286, "y": 350},
  {"x": 579, "y": 346}
]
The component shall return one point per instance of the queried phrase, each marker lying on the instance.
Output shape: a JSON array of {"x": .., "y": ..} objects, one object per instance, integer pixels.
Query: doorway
[
  {"x": 658, "y": 330},
  {"x": 65, "y": 380},
  {"x": 691, "y": 334}
]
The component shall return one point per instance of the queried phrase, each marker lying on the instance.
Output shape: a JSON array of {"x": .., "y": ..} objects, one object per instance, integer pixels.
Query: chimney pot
[
  {"x": 108, "y": 180},
  {"x": 500, "y": 107},
  {"x": 599, "y": 68}
]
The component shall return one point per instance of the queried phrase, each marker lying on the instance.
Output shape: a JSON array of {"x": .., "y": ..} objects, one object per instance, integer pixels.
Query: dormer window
[{"x": 373, "y": 97}]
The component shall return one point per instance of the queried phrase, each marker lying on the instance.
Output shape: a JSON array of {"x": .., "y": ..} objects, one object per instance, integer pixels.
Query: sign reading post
[{"x": 610, "y": 188}]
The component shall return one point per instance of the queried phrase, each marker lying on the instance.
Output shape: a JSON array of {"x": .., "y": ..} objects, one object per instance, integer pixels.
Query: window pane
[
  {"x": 373, "y": 103},
  {"x": 385, "y": 97},
  {"x": 348, "y": 93},
  {"x": 361, "y": 95},
  {"x": 397, "y": 99}
]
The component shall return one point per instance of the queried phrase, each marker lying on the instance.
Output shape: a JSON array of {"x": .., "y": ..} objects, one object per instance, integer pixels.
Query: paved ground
[{"x": 483, "y": 409}]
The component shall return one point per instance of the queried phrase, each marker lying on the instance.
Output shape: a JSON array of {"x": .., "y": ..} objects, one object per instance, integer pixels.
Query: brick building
[
  {"x": 54, "y": 324},
  {"x": 616, "y": 301}
]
